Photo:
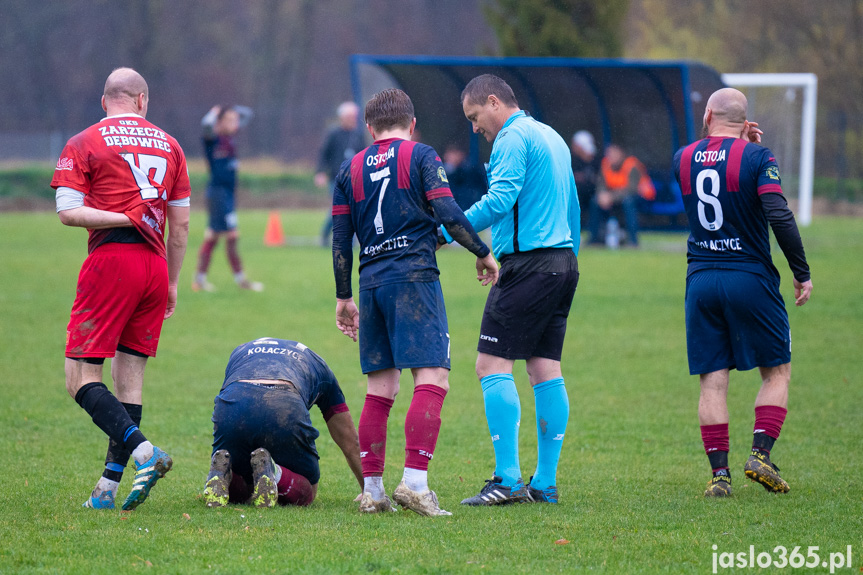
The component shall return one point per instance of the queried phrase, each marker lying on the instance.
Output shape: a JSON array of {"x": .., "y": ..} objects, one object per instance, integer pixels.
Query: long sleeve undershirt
[{"x": 784, "y": 226}]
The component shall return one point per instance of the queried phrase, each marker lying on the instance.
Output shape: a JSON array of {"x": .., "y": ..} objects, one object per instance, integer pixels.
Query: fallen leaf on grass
[
  {"x": 186, "y": 517},
  {"x": 562, "y": 542}
]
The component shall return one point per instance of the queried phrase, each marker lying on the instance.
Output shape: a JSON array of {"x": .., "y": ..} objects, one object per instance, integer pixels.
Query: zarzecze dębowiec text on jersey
[{"x": 125, "y": 164}]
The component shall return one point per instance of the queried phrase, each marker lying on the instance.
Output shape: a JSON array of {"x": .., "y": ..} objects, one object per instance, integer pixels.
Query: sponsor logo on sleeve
[
  {"x": 773, "y": 173},
  {"x": 65, "y": 164},
  {"x": 441, "y": 174}
]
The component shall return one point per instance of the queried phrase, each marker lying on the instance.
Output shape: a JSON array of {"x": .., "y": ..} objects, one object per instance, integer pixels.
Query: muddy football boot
[
  {"x": 718, "y": 486},
  {"x": 216, "y": 491},
  {"x": 424, "y": 503},
  {"x": 104, "y": 500},
  {"x": 266, "y": 492},
  {"x": 759, "y": 468},
  {"x": 369, "y": 505},
  {"x": 146, "y": 476}
]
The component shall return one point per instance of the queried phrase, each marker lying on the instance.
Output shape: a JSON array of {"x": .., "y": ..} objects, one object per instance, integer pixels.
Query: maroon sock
[
  {"x": 769, "y": 420},
  {"x": 294, "y": 489},
  {"x": 205, "y": 253},
  {"x": 768, "y": 424},
  {"x": 422, "y": 425},
  {"x": 715, "y": 439},
  {"x": 239, "y": 491},
  {"x": 233, "y": 255},
  {"x": 373, "y": 434}
]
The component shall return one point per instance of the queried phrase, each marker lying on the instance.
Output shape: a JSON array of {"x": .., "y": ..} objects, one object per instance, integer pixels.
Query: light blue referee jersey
[{"x": 531, "y": 201}]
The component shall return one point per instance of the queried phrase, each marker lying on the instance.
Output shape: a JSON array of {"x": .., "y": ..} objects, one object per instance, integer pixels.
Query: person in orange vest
[{"x": 622, "y": 179}]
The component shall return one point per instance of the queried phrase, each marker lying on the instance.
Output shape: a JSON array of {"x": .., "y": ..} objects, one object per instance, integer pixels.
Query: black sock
[
  {"x": 109, "y": 415},
  {"x": 118, "y": 456},
  {"x": 763, "y": 443},
  {"x": 719, "y": 463}
]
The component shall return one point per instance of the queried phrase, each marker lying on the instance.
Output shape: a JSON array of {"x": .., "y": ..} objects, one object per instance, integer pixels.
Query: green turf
[{"x": 632, "y": 471}]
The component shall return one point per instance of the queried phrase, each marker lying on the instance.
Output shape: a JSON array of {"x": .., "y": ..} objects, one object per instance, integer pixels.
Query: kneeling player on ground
[
  {"x": 735, "y": 316},
  {"x": 263, "y": 438}
]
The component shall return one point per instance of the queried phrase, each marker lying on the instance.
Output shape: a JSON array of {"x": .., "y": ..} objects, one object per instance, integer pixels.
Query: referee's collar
[{"x": 511, "y": 119}]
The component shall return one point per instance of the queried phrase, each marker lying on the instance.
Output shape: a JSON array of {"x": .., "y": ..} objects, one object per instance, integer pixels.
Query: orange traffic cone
[{"x": 273, "y": 235}]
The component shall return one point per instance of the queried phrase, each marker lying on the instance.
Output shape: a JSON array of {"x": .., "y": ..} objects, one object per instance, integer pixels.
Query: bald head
[
  {"x": 725, "y": 112},
  {"x": 125, "y": 91}
]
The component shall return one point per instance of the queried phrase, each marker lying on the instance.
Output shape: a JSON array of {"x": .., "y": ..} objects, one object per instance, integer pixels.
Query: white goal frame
[{"x": 809, "y": 83}]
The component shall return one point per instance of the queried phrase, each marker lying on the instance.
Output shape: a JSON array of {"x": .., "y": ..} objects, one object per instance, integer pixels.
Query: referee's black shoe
[{"x": 495, "y": 493}]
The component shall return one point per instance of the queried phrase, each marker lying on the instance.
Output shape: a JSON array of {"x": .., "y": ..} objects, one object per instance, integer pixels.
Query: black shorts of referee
[{"x": 526, "y": 311}]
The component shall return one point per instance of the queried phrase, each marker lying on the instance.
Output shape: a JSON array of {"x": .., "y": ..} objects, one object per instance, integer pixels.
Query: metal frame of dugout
[{"x": 651, "y": 108}]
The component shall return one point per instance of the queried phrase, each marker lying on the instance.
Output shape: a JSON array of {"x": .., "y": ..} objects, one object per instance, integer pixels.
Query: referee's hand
[
  {"x": 348, "y": 317},
  {"x": 486, "y": 270}
]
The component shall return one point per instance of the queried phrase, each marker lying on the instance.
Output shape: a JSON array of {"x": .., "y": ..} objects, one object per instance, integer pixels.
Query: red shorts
[{"x": 122, "y": 297}]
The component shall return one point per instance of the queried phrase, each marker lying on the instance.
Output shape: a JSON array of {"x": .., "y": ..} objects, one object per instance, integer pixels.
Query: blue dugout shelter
[{"x": 651, "y": 108}]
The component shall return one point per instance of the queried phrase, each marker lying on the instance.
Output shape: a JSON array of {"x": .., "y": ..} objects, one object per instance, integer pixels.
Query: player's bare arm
[
  {"x": 93, "y": 219},
  {"x": 178, "y": 235},
  {"x": 344, "y": 434}
]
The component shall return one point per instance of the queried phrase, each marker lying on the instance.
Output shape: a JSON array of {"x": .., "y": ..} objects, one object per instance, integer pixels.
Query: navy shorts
[
  {"x": 403, "y": 325},
  {"x": 220, "y": 205},
  {"x": 526, "y": 311},
  {"x": 735, "y": 320},
  {"x": 248, "y": 416}
]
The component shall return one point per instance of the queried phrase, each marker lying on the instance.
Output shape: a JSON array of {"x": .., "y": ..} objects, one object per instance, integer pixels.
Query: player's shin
[
  {"x": 552, "y": 416},
  {"x": 422, "y": 426},
  {"x": 503, "y": 413},
  {"x": 109, "y": 415},
  {"x": 118, "y": 456},
  {"x": 372, "y": 431}
]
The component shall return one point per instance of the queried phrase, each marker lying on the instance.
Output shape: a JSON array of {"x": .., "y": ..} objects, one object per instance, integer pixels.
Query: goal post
[{"x": 809, "y": 85}]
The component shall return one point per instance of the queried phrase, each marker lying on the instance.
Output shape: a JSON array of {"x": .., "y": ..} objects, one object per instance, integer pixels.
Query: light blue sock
[
  {"x": 552, "y": 414},
  {"x": 503, "y": 413}
]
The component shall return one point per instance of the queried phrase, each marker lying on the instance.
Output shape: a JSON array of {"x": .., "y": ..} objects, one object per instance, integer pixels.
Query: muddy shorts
[
  {"x": 735, "y": 320},
  {"x": 403, "y": 325},
  {"x": 122, "y": 296},
  {"x": 248, "y": 416}
]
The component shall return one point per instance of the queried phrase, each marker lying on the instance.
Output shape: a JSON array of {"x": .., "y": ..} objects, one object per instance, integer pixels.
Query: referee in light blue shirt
[{"x": 532, "y": 208}]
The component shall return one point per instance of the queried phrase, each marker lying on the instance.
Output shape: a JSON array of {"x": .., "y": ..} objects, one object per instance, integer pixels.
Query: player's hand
[
  {"x": 172, "y": 301},
  {"x": 751, "y": 132},
  {"x": 802, "y": 291},
  {"x": 358, "y": 498},
  {"x": 348, "y": 317},
  {"x": 486, "y": 270}
]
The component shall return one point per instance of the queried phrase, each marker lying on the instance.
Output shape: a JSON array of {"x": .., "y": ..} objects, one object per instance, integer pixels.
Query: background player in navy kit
[
  {"x": 735, "y": 315},
  {"x": 220, "y": 125},
  {"x": 390, "y": 194},
  {"x": 262, "y": 433}
]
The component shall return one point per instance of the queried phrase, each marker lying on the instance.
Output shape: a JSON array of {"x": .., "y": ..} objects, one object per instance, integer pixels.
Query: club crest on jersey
[
  {"x": 773, "y": 173},
  {"x": 441, "y": 174},
  {"x": 65, "y": 164}
]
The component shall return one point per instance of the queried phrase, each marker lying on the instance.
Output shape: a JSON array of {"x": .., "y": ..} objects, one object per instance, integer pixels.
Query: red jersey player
[{"x": 123, "y": 179}]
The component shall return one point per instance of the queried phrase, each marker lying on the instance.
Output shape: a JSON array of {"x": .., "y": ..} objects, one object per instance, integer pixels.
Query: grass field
[{"x": 632, "y": 472}]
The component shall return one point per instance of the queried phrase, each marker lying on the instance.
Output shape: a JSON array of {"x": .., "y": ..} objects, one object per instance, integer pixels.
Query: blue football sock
[
  {"x": 552, "y": 414},
  {"x": 503, "y": 413}
]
